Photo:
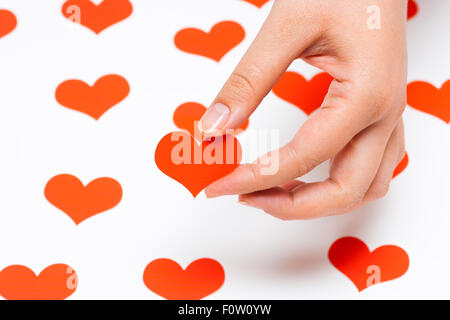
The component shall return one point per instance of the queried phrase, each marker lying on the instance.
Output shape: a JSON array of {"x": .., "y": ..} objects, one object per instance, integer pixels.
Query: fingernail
[
  {"x": 214, "y": 118},
  {"x": 245, "y": 202}
]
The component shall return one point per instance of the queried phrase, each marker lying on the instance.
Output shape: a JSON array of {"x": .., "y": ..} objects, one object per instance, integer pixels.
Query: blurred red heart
[
  {"x": 257, "y": 3},
  {"x": 413, "y": 9},
  {"x": 425, "y": 97},
  {"x": 401, "y": 166},
  {"x": 306, "y": 95},
  {"x": 8, "y": 22}
]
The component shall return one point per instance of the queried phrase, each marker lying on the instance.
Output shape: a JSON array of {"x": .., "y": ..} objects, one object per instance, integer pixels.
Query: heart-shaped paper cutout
[
  {"x": 196, "y": 166},
  {"x": 413, "y": 9},
  {"x": 97, "y": 17},
  {"x": 214, "y": 44},
  {"x": 8, "y": 22},
  {"x": 56, "y": 282},
  {"x": 94, "y": 101},
  {"x": 306, "y": 95},
  {"x": 257, "y": 3},
  {"x": 80, "y": 202},
  {"x": 425, "y": 97},
  {"x": 187, "y": 116},
  {"x": 353, "y": 258},
  {"x": 401, "y": 166},
  {"x": 201, "y": 278}
]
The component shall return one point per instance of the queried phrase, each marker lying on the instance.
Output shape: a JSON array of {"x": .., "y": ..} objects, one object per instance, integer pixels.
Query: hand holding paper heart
[{"x": 355, "y": 106}]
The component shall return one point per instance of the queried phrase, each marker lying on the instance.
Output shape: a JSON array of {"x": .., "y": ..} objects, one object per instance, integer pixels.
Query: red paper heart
[
  {"x": 257, "y": 3},
  {"x": 96, "y": 100},
  {"x": 56, "y": 282},
  {"x": 413, "y": 8},
  {"x": 8, "y": 22},
  {"x": 188, "y": 114},
  {"x": 180, "y": 157},
  {"x": 97, "y": 17},
  {"x": 201, "y": 278},
  {"x": 306, "y": 95},
  {"x": 425, "y": 97},
  {"x": 401, "y": 166},
  {"x": 352, "y": 257},
  {"x": 79, "y": 202},
  {"x": 215, "y": 44}
]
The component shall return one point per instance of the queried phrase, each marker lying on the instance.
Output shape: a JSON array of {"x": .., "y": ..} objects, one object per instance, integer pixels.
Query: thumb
[{"x": 262, "y": 65}]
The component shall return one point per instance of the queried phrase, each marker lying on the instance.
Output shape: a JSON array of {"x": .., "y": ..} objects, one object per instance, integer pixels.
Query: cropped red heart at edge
[
  {"x": 425, "y": 97},
  {"x": 97, "y": 17},
  {"x": 413, "y": 9},
  {"x": 257, "y": 3},
  {"x": 8, "y": 22},
  {"x": 56, "y": 282}
]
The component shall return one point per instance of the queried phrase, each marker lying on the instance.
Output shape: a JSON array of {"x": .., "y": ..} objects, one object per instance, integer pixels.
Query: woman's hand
[{"x": 359, "y": 125}]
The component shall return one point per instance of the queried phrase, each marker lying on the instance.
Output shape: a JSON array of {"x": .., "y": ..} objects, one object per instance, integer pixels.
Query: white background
[{"x": 263, "y": 258}]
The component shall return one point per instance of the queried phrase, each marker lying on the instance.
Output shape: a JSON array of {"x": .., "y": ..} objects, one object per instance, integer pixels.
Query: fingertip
[
  {"x": 242, "y": 200},
  {"x": 217, "y": 188},
  {"x": 210, "y": 194}
]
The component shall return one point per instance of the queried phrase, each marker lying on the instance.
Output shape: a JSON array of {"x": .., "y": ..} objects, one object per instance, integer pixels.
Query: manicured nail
[
  {"x": 214, "y": 118},
  {"x": 243, "y": 202}
]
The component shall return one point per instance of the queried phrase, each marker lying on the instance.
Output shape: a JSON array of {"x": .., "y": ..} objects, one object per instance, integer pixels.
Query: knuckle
[
  {"x": 389, "y": 101},
  {"x": 254, "y": 172},
  {"x": 383, "y": 104},
  {"x": 303, "y": 166},
  {"x": 288, "y": 213},
  {"x": 240, "y": 87},
  {"x": 352, "y": 198},
  {"x": 379, "y": 191}
]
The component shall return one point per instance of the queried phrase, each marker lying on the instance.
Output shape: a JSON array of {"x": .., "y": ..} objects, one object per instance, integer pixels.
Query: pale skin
[{"x": 359, "y": 125}]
